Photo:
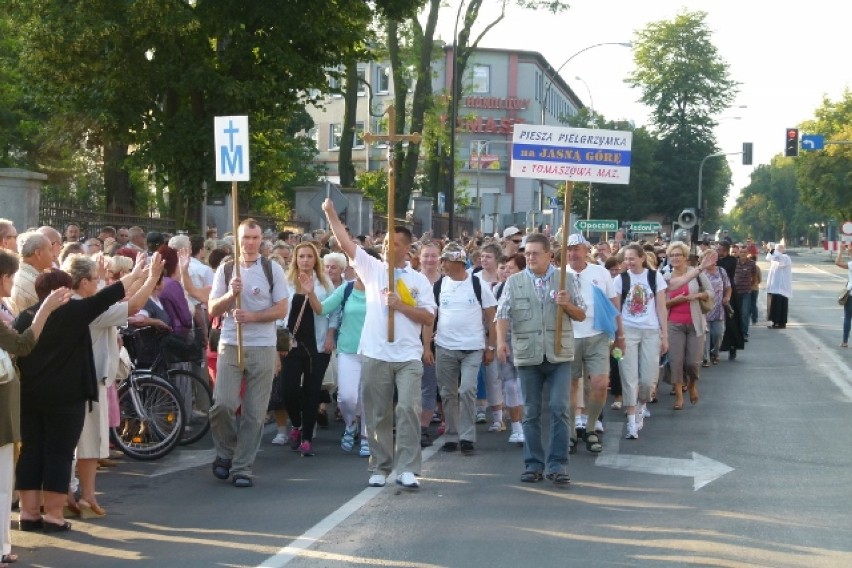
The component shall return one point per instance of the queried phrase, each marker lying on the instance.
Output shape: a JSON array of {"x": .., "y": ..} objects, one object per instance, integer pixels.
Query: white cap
[
  {"x": 509, "y": 231},
  {"x": 577, "y": 239}
]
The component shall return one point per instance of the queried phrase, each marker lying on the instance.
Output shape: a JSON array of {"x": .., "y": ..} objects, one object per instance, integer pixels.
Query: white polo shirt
[{"x": 407, "y": 345}]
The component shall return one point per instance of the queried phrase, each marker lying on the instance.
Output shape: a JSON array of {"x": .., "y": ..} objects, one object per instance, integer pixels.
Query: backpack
[
  {"x": 625, "y": 284},
  {"x": 436, "y": 288}
]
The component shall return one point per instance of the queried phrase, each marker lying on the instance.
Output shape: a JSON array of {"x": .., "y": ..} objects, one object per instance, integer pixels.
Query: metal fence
[{"x": 58, "y": 215}]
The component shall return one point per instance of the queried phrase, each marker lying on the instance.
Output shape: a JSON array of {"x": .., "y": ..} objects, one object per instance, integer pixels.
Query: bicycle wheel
[
  {"x": 151, "y": 417},
  {"x": 198, "y": 398}
]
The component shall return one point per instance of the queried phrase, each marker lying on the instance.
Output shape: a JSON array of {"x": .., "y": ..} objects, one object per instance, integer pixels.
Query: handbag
[
  {"x": 285, "y": 339},
  {"x": 8, "y": 371},
  {"x": 708, "y": 303},
  {"x": 844, "y": 296}
]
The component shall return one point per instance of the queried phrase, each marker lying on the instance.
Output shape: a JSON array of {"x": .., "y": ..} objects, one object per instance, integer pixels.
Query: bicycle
[
  {"x": 147, "y": 354},
  {"x": 151, "y": 416}
]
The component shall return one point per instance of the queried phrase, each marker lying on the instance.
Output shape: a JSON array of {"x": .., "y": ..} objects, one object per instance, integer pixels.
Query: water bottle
[{"x": 617, "y": 354}]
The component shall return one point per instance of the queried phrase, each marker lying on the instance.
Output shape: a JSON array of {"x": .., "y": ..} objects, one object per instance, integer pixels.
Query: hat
[
  {"x": 509, "y": 231},
  {"x": 577, "y": 239},
  {"x": 454, "y": 253},
  {"x": 155, "y": 238}
]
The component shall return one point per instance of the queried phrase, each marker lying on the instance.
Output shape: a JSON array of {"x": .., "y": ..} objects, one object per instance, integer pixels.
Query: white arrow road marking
[{"x": 702, "y": 469}]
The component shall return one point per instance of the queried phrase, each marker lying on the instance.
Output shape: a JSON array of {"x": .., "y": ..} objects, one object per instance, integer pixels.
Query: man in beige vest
[{"x": 528, "y": 308}]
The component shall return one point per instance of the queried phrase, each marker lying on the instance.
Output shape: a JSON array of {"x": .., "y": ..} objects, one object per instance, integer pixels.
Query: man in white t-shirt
[
  {"x": 236, "y": 443},
  {"x": 460, "y": 340},
  {"x": 386, "y": 364},
  {"x": 591, "y": 345}
]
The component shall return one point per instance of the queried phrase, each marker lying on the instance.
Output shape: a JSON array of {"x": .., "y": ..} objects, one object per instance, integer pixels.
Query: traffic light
[
  {"x": 791, "y": 150},
  {"x": 747, "y": 147}
]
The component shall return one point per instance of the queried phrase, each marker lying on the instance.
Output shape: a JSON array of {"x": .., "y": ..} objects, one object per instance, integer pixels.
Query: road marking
[
  {"x": 702, "y": 469},
  {"x": 826, "y": 359},
  {"x": 185, "y": 460},
  {"x": 319, "y": 530}
]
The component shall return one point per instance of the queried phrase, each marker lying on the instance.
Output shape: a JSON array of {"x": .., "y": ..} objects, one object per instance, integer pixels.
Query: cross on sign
[{"x": 391, "y": 138}]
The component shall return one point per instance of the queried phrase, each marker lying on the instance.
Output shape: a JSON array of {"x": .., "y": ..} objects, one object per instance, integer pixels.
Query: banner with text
[{"x": 571, "y": 154}]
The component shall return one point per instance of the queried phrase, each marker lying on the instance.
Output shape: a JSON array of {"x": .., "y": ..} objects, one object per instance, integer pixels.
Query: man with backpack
[
  {"x": 465, "y": 320},
  {"x": 261, "y": 303}
]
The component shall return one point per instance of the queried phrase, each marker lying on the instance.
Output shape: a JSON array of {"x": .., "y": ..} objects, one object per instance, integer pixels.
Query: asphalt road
[{"x": 756, "y": 474}]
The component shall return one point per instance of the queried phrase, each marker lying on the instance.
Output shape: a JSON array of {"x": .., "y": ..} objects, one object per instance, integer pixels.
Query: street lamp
[
  {"x": 564, "y": 63},
  {"x": 593, "y": 125},
  {"x": 451, "y": 190},
  {"x": 700, "y": 180}
]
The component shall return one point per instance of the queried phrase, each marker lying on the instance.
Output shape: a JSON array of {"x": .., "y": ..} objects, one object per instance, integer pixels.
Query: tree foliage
[
  {"x": 686, "y": 84},
  {"x": 143, "y": 80}
]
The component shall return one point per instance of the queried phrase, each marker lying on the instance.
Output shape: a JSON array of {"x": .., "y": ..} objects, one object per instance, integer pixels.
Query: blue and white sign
[
  {"x": 812, "y": 142},
  {"x": 572, "y": 154},
  {"x": 231, "y": 146}
]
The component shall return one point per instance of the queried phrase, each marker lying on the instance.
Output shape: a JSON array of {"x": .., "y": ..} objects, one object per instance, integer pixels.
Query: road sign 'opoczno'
[
  {"x": 596, "y": 225},
  {"x": 572, "y": 154},
  {"x": 231, "y": 146}
]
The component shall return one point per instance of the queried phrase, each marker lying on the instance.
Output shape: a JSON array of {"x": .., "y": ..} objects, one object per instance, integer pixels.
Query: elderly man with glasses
[{"x": 512, "y": 240}]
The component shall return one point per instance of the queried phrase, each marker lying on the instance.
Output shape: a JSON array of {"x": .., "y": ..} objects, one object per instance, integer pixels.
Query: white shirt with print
[
  {"x": 460, "y": 326},
  {"x": 640, "y": 307}
]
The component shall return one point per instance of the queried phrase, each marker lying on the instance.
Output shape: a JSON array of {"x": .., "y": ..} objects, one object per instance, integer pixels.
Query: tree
[
  {"x": 686, "y": 84},
  {"x": 824, "y": 177},
  {"x": 151, "y": 75}
]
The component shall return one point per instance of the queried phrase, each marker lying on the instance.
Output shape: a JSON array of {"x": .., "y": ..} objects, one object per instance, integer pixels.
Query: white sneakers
[
  {"x": 632, "y": 432},
  {"x": 480, "y": 417},
  {"x": 517, "y": 437},
  {"x": 280, "y": 439},
  {"x": 497, "y": 426},
  {"x": 377, "y": 480},
  {"x": 640, "y": 417},
  {"x": 407, "y": 479},
  {"x": 599, "y": 427}
]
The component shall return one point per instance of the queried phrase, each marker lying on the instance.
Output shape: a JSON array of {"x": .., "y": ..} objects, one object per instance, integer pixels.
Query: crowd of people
[{"x": 411, "y": 338}]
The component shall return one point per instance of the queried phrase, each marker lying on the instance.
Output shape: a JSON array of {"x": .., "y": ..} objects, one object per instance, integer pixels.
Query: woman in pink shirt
[{"x": 686, "y": 322}]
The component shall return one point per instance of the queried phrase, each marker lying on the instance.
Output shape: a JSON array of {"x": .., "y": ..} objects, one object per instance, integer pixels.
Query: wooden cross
[
  {"x": 392, "y": 139},
  {"x": 566, "y": 218}
]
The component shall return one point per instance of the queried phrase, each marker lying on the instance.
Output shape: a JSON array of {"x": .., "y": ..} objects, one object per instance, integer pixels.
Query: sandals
[
  {"x": 29, "y": 525},
  {"x": 49, "y": 528},
  {"x": 531, "y": 477},
  {"x": 559, "y": 478},
  {"x": 242, "y": 481},
  {"x": 593, "y": 443},
  {"x": 616, "y": 405},
  {"x": 9, "y": 559}
]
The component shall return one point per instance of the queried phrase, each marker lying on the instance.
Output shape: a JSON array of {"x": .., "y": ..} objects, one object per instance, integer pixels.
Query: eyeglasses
[{"x": 674, "y": 254}]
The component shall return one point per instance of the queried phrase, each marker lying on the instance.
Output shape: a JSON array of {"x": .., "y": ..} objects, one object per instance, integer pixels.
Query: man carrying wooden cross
[{"x": 384, "y": 363}]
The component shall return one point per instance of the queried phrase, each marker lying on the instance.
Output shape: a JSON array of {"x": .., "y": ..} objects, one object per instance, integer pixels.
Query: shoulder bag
[
  {"x": 844, "y": 296},
  {"x": 709, "y": 303}
]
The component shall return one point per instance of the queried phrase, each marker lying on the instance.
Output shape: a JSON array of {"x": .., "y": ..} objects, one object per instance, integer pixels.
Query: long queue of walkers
[{"x": 440, "y": 333}]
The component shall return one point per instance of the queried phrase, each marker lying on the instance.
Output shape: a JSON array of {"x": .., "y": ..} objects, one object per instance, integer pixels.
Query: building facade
[{"x": 501, "y": 88}]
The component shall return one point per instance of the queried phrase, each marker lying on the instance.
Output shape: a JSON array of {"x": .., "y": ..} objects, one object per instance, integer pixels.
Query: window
[
  {"x": 481, "y": 76},
  {"x": 313, "y": 134},
  {"x": 358, "y": 141},
  {"x": 382, "y": 79},
  {"x": 334, "y": 132},
  {"x": 378, "y": 126},
  {"x": 362, "y": 78}
]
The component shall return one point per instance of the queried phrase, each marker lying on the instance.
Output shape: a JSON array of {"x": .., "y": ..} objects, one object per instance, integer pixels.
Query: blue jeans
[
  {"x": 745, "y": 312},
  {"x": 753, "y": 295},
  {"x": 556, "y": 378},
  {"x": 713, "y": 338},
  {"x": 847, "y": 319}
]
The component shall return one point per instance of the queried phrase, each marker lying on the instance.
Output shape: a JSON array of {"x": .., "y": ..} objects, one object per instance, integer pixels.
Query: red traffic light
[{"x": 791, "y": 144}]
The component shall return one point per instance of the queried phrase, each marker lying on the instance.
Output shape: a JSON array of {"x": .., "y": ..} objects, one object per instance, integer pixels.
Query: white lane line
[
  {"x": 319, "y": 530},
  {"x": 825, "y": 358}
]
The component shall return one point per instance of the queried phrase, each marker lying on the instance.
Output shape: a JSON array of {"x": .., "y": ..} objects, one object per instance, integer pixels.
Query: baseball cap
[
  {"x": 454, "y": 253},
  {"x": 155, "y": 238},
  {"x": 577, "y": 239},
  {"x": 510, "y": 231}
]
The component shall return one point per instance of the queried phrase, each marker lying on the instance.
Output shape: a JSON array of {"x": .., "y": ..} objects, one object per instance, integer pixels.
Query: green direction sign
[
  {"x": 596, "y": 225},
  {"x": 645, "y": 226}
]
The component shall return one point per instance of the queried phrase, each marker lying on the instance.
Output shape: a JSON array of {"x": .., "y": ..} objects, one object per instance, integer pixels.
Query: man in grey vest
[{"x": 528, "y": 308}]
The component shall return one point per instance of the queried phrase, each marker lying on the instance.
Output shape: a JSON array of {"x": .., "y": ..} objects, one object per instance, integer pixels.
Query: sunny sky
[{"x": 786, "y": 55}]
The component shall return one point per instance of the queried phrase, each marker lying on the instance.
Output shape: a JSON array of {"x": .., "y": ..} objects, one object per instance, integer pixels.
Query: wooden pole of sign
[
  {"x": 563, "y": 259},
  {"x": 392, "y": 139},
  {"x": 236, "y": 218}
]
